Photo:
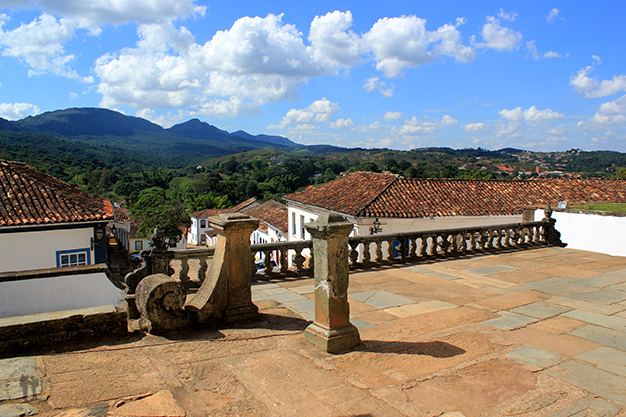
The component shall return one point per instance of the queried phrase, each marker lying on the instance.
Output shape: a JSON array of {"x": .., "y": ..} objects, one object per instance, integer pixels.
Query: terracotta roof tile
[
  {"x": 29, "y": 197},
  {"x": 384, "y": 195},
  {"x": 271, "y": 212},
  {"x": 214, "y": 212}
]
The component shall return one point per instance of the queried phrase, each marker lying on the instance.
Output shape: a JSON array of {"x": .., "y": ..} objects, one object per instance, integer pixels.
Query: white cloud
[
  {"x": 403, "y": 42},
  {"x": 507, "y": 16},
  {"x": 372, "y": 127},
  {"x": 375, "y": 83},
  {"x": 532, "y": 50},
  {"x": 474, "y": 127},
  {"x": 554, "y": 14},
  {"x": 16, "y": 111},
  {"x": 39, "y": 44},
  {"x": 341, "y": 124},
  {"x": 499, "y": 38},
  {"x": 319, "y": 111},
  {"x": 591, "y": 87},
  {"x": 415, "y": 126},
  {"x": 551, "y": 54},
  {"x": 611, "y": 113},
  {"x": 96, "y": 13},
  {"x": 393, "y": 115},
  {"x": 530, "y": 115},
  {"x": 331, "y": 39},
  {"x": 257, "y": 61}
]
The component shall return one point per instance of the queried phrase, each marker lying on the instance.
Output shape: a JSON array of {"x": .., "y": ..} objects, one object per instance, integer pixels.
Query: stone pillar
[
  {"x": 332, "y": 330},
  {"x": 226, "y": 293},
  {"x": 528, "y": 214}
]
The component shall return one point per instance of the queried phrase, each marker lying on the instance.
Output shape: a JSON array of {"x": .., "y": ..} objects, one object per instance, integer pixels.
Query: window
[
  {"x": 138, "y": 245},
  {"x": 202, "y": 224},
  {"x": 302, "y": 227},
  {"x": 294, "y": 227},
  {"x": 73, "y": 257}
]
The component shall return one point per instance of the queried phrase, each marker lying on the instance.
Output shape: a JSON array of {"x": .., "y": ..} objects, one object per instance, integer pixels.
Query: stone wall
[{"x": 19, "y": 335}]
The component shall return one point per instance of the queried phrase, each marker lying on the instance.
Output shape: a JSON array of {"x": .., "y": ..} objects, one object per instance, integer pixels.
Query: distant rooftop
[{"x": 368, "y": 194}]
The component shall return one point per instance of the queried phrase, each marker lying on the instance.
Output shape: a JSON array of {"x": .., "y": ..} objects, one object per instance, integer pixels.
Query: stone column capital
[
  {"x": 233, "y": 222},
  {"x": 329, "y": 225}
]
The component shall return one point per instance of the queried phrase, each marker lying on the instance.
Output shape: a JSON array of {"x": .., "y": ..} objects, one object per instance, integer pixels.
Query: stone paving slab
[
  {"x": 610, "y": 322},
  {"x": 301, "y": 306},
  {"x": 509, "y": 321},
  {"x": 420, "y": 308},
  {"x": 23, "y": 388},
  {"x": 540, "y": 358},
  {"x": 490, "y": 269},
  {"x": 589, "y": 407},
  {"x": 608, "y": 359},
  {"x": 587, "y": 306},
  {"x": 604, "y": 336},
  {"x": 15, "y": 368},
  {"x": 381, "y": 299},
  {"x": 564, "y": 344},
  {"x": 18, "y": 410},
  {"x": 539, "y": 310},
  {"x": 426, "y": 271},
  {"x": 509, "y": 301},
  {"x": 304, "y": 289},
  {"x": 606, "y": 280},
  {"x": 608, "y": 385}
]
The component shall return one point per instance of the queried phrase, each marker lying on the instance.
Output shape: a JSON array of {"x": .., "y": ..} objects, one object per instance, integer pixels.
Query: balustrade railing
[
  {"x": 283, "y": 259},
  {"x": 276, "y": 260},
  {"x": 368, "y": 251}
]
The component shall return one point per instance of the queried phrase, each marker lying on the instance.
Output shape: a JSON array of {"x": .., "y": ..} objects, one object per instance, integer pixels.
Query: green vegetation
[
  {"x": 159, "y": 186},
  {"x": 610, "y": 207}
]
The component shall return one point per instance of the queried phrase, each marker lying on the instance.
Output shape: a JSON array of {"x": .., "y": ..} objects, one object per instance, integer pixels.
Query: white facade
[
  {"x": 46, "y": 249},
  {"x": 45, "y": 295},
  {"x": 197, "y": 231},
  {"x": 300, "y": 214},
  {"x": 592, "y": 232}
]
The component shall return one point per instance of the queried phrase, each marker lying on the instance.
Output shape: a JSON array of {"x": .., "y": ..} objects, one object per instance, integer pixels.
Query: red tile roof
[
  {"x": 30, "y": 197},
  {"x": 271, "y": 212},
  {"x": 214, "y": 212},
  {"x": 366, "y": 194}
]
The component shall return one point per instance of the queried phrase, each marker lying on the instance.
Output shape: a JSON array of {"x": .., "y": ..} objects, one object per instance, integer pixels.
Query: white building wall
[
  {"x": 45, "y": 295},
  {"x": 35, "y": 250},
  {"x": 592, "y": 232}
]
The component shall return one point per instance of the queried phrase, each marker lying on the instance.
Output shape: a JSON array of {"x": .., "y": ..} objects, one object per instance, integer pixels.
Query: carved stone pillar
[
  {"x": 226, "y": 293},
  {"x": 332, "y": 330}
]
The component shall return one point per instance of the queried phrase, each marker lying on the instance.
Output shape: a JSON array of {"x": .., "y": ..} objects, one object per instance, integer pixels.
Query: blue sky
[{"x": 398, "y": 74}]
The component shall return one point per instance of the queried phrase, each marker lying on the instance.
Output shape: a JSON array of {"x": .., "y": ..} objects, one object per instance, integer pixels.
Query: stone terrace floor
[{"x": 539, "y": 332}]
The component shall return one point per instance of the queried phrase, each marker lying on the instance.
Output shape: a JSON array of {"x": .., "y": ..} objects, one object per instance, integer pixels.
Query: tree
[{"x": 155, "y": 209}]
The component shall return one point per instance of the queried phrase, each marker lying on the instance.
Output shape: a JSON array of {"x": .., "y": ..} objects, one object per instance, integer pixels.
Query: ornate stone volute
[{"x": 549, "y": 232}]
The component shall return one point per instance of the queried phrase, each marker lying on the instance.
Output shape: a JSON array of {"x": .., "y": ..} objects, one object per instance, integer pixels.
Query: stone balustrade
[{"x": 377, "y": 250}]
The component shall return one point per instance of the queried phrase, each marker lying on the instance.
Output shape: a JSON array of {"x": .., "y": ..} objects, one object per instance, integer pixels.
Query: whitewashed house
[
  {"x": 201, "y": 233},
  {"x": 388, "y": 203},
  {"x": 48, "y": 225}
]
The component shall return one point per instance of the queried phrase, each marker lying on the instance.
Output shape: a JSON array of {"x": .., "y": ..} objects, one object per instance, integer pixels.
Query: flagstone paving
[{"x": 539, "y": 332}]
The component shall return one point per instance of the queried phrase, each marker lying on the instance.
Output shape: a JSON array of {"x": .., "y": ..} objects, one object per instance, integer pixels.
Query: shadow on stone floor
[{"x": 434, "y": 349}]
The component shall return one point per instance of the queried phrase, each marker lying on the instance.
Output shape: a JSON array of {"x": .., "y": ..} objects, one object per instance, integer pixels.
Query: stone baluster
[
  {"x": 366, "y": 252},
  {"x": 283, "y": 260},
  {"x": 379, "y": 251},
  {"x": 332, "y": 330},
  {"x": 183, "y": 275},
  {"x": 299, "y": 259},
  {"x": 203, "y": 268}
]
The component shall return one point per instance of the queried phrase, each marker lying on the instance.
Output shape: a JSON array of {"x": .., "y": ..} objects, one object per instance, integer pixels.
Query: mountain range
[{"x": 107, "y": 128}]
